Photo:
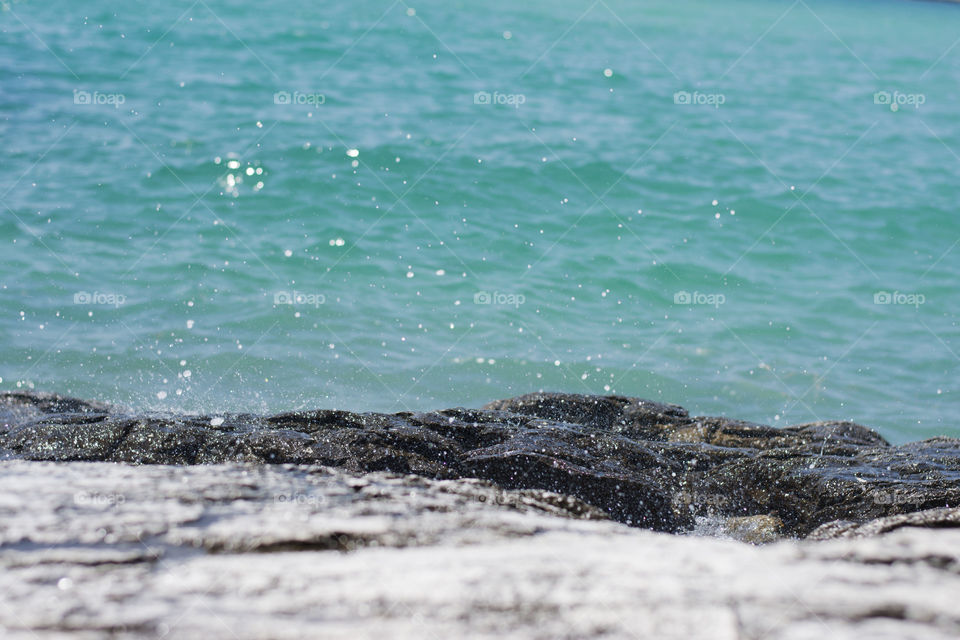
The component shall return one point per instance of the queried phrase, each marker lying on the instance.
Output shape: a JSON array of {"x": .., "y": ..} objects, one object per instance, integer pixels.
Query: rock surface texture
[
  {"x": 94, "y": 550},
  {"x": 642, "y": 463},
  {"x": 544, "y": 516}
]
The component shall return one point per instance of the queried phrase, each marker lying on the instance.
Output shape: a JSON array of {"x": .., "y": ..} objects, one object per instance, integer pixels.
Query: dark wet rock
[
  {"x": 18, "y": 407},
  {"x": 943, "y": 518},
  {"x": 613, "y": 413},
  {"x": 68, "y": 437},
  {"x": 838, "y": 433},
  {"x": 25, "y": 403},
  {"x": 647, "y": 464}
]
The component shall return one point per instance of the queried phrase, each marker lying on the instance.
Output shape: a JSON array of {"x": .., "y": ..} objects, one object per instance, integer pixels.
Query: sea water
[{"x": 748, "y": 208}]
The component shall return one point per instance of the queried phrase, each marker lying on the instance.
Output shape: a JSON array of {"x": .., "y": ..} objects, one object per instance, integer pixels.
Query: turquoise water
[{"x": 470, "y": 201}]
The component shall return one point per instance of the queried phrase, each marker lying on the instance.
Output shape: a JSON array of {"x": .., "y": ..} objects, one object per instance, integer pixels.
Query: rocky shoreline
[
  {"x": 543, "y": 516},
  {"x": 642, "y": 463}
]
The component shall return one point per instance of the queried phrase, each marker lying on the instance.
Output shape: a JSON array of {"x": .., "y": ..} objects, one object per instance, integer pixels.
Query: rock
[
  {"x": 250, "y": 551},
  {"x": 642, "y": 463},
  {"x": 753, "y": 529},
  {"x": 18, "y": 407},
  {"x": 944, "y": 518}
]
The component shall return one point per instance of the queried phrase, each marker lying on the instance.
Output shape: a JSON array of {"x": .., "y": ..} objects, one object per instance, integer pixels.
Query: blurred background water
[{"x": 748, "y": 208}]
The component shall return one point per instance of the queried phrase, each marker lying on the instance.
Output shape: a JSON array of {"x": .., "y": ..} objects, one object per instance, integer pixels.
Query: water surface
[{"x": 701, "y": 203}]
